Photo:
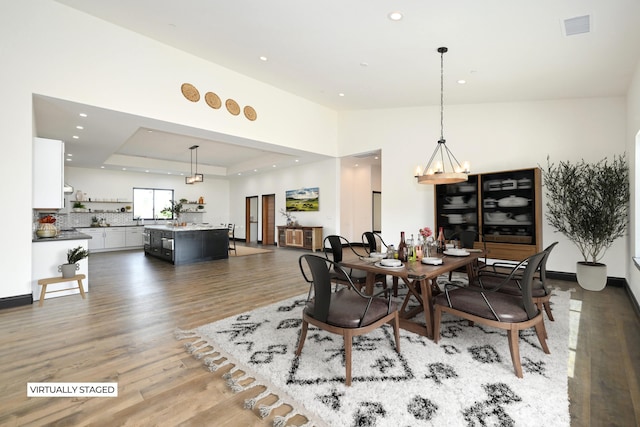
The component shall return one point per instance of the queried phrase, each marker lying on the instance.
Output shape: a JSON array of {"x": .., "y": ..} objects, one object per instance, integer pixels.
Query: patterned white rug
[{"x": 465, "y": 380}]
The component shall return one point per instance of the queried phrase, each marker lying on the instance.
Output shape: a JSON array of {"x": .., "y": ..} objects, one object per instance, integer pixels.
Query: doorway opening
[
  {"x": 251, "y": 219},
  {"x": 269, "y": 219}
]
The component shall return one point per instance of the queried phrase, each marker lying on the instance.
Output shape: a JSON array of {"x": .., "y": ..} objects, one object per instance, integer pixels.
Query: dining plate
[
  {"x": 369, "y": 259},
  {"x": 432, "y": 260},
  {"x": 456, "y": 252},
  {"x": 379, "y": 264}
]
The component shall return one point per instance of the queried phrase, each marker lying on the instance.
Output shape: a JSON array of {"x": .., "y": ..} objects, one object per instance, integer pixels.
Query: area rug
[
  {"x": 465, "y": 380},
  {"x": 247, "y": 250}
]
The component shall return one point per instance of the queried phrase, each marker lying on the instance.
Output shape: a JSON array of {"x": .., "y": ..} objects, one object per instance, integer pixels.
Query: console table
[{"x": 300, "y": 237}]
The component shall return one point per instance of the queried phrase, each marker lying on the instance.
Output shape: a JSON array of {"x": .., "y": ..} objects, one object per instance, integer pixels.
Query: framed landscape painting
[{"x": 303, "y": 199}]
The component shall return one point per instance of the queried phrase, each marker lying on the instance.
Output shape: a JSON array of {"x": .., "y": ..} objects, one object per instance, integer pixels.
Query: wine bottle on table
[
  {"x": 441, "y": 243},
  {"x": 402, "y": 248}
]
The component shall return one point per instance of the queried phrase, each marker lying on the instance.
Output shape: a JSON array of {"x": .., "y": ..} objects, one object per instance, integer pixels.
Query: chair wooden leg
[
  {"x": 303, "y": 336},
  {"x": 348, "y": 342},
  {"x": 396, "y": 330},
  {"x": 542, "y": 335},
  {"x": 547, "y": 309},
  {"x": 514, "y": 349}
]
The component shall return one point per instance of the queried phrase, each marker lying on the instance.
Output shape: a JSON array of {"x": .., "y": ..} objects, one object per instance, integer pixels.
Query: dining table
[{"x": 421, "y": 281}]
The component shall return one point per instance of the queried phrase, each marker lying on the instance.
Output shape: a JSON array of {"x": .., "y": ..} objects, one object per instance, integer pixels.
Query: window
[{"x": 149, "y": 202}]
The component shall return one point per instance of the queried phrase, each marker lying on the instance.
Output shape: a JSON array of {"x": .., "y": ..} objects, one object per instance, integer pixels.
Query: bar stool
[{"x": 52, "y": 280}]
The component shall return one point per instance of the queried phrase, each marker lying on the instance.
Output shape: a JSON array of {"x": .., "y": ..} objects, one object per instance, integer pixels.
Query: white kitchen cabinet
[
  {"x": 134, "y": 237},
  {"x": 114, "y": 237},
  {"x": 48, "y": 174},
  {"x": 97, "y": 238}
]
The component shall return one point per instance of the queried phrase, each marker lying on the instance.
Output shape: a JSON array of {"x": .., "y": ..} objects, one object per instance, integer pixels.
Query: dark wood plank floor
[{"x": 123, "y": 332}]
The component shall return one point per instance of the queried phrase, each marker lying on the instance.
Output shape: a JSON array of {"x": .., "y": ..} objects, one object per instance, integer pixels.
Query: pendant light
[
  {"x": 197, "y": 177},
  {"x": 436, "y": 170}
]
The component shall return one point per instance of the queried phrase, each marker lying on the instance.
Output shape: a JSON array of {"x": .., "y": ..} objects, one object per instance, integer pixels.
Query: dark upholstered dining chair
[
  {"x": 373, "y": 242},
  {"x": 540, "y": 292},
  {"x": 497, "y": 309},
  {"x": 467, "y": 239},
  {"x": 346, "y": 312},
  {"x": 335, "y": 245}
]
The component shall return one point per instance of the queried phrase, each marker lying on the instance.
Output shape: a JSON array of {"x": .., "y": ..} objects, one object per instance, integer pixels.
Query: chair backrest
[
  {"x": 335, "y": 245},
  {"x": 372, "y": 242},
  {"x": 532, "y": 264},
  {"x": 543, "y": 263},
  {"x": 467, "y": 238},
  {"x": 321, "y": 281}
]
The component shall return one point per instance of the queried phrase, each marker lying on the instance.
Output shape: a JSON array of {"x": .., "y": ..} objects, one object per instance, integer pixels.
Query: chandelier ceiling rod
[{"x": 437, "y": 173}]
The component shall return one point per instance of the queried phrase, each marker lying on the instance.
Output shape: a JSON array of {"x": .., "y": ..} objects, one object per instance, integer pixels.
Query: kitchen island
[{"x": 186, "y": 244}]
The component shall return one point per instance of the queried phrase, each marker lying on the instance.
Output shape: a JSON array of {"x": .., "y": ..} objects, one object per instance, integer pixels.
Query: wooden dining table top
[{"x": 415, "y": 269}]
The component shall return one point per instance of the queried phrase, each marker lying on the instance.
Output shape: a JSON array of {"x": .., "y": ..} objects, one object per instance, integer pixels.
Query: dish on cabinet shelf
[
  {"x": 456, "y": 206},
  {"x": 466, "y": 188},
  {"x": 513, "y": 202},
  {"x": 509, "y": 221}
]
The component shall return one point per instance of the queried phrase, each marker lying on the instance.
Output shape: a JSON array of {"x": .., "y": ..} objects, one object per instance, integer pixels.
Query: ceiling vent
[{"x": 577, "y": 25}]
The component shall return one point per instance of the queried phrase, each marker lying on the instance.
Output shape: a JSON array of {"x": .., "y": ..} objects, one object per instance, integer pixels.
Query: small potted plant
[
  {"x": 73, "y": 257},
  {"x": 175, "y": 210},
  {"x": 79, "y": 207}
]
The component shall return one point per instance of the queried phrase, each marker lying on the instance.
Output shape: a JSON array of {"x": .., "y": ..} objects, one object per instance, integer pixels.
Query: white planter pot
[{"x": 592, "y": 277}]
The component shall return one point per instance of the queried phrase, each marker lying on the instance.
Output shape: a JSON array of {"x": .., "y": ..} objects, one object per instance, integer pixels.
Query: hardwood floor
[{"x": 123, "y": 332}]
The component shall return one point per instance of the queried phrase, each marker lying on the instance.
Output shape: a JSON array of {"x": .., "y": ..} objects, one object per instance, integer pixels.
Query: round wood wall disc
[
  {"x": 190, "y": 92},
  {"x": 232, "y": 106},
  {"x": 250, "y": 113},
  {"x": 212, "y": 100}
]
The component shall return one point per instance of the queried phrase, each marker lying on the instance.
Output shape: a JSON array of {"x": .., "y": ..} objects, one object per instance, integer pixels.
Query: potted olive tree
[
  {"x": 73, "y": 257},
  {"x": 589, "y": 204}
]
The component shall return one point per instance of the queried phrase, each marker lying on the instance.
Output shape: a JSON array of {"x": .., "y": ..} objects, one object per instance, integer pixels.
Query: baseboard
[
  {"x": 618, "y": 282},
  {"x": 16, "y": 301}
]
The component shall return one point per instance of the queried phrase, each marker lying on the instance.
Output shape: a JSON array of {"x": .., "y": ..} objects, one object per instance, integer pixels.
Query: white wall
[
  {"x": 493, "y": 137},
  {"x": 323, "y": 175},
  {"x": 50, "y": 49}
]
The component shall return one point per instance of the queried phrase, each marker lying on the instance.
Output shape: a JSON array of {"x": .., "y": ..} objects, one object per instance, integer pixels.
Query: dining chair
[
  {"x": 335, "y": 244},
  {"x": 467, "y": 239},
  {"x": 373, "y": 242},
  {"x": 232, "y": 238},
  {"x": 540, "y": 292},
  {"x": 347, "y": 312},
  {"x": 497, "y": 309}
]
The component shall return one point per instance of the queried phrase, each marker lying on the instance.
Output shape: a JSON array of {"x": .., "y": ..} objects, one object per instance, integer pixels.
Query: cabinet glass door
[
  {"x": 508, "y": 206},
  {"x": 457, "y": 207}
]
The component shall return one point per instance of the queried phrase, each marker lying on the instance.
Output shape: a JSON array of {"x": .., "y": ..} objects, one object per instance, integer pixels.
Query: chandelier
[
  {"x": 194, "y": 177},
  {"x": 436, "y": 171}
]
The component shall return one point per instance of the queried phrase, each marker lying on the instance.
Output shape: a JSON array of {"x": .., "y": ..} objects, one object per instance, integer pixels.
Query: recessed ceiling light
[
  {"x": 255, "y": 170},
  {"x": 395, "y": 16},
  {"x": 82, "y": 115},
  {"x": 124, "y": 169},
  {"x": 79, "y": 127},
  {"x": 341, "y": 94},
  {"x": 147, "y": 171},
  {"x": 239, "y": 173},
  {"x": 264, "y": 58},
  {"x": 69, "y": 159},
  {"x": 101, "y": 167},
  {"x": 461, "y": 81},
  {"x": 273, "y": 166},
  {"x": 297, "y": 160},
  {"x": 76, "y": 137},
  {"x": 364, "y": 64}
]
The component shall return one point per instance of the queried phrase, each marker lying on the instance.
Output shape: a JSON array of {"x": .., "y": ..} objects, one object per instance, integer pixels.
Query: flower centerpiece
[
  {"x": 427, "y": 236},
  {"x": 290, "y": 218}
]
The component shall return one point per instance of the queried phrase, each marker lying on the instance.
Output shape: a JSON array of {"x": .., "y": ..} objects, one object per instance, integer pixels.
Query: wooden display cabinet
[{"x": 505, "y": 208}]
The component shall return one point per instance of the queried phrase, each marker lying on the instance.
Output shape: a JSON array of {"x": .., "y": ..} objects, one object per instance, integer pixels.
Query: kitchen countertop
[
  {"x": 63, "y": 235},
  {"x": 193, "y": 227}
]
